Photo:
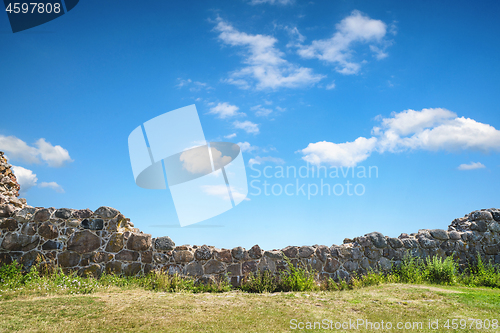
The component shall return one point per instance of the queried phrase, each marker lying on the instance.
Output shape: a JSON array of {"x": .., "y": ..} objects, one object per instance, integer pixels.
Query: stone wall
[{"x": 93, "y": 242}]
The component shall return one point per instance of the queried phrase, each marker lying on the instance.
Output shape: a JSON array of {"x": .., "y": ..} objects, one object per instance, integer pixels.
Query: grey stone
[
  {"x": 42, "y": 215},
  {"x": 68, "y": 259},
  {"x": 494, "y": 227},
  {"x": 93, "y": 224},
  {"x": 83, "y": 242},
  {"x": 132, "y": 269},
  {"x": 126, "y": 255},
  {"x": 275, "y": 254},
  {"x": 410, "y": 243},
  {"x": 183, "y": 256},
  {"x": 48, "y": 230},
  {"x": 203, "y": 253},
  {"x": 426, "y": 243},
  {"x": 29, "y": 258},
  {"x": 146, "y": 257},
  {"x": 291, "y": 251},
  {"x": 164, "y": 243},
  {"x": 115, "y": 242},
  {"x": 385, "y": 264},
  {"x": 377, "y": 239},
  {"x": 238, "y": 253},
  {"x": 306, "y": 251},
  {"x": 214, "y": 267},
  {"x": 439, "y": 234},
  {"x": 255, "y": 252},
  {"x": 9, "y": 225},
  {"x": 492, "y": 249},
  {"x": 63, "y": 213},
  {"x": 6, "y": 210},
  {"x": 194, "y": 269},
  {"x": 106, "y": 212},
  {"x": 350, "y": 266},
  {"x": 139, "y": 242},
  {"x": 51, "y": 245},
  {"x": 481, "y": 215},
  {"x": 114, "y": 267},
  {"x": 496, "y": 215},
  {"x": 395, "y": 243},
  {"x": 373, "y": 254},
  {"x": 82, "y": 213},
  {"x": 341, "y": 275},
  {"x": 480, "y": 226},
  {"x": 248, "y": 267},
  {"x": 18, "y": 242},
  {"x": 314, "y": 264},
  {"x": 234, "y": 269},
  {"x": 24, "y": 214},
  {"x": 160, "y": 258},
  {"x": 454, "y": 235},
  {"x": 331, "y": 265},
  {"x": 322, "y": 252},
  {"x": 222, "y": 255}
]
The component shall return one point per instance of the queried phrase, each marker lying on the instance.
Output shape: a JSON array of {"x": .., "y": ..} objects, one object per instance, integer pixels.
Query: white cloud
[
  {"x": 338, "y": 50},
  {"x": 339, "y": 154},
  {"x": 245, "y": 146},
  {"x": 197, "y": 160},
  {"x": 265, "y": 67},
  {"x": 54, "y": 156},
  {"x": 261, "y": 111},
  {"x": 230, "y": 136},
  {"x": 53, "y": 185},
  {"x": 471, "y": 166},
  {"x": 225, "y": 110},
  {"x": 25, "y": 178},
  {"x": 247, "y": 126},
  {"x": 430, "y": 129},
  {"x": 271, "y": 2},
  {"x": 331, "y": 86},
  {"x": 262, "y": 160},
  {"x": 193, "y": 85}
]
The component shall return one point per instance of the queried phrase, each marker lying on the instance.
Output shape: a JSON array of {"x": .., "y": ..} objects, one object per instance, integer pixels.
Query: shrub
[{"x": 440, "y": 271}]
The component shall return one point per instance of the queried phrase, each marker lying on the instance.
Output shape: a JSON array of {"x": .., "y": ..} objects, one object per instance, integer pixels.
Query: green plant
[
  {"x": 440, "y": 271},
  {"x": 261, "y": 282}
]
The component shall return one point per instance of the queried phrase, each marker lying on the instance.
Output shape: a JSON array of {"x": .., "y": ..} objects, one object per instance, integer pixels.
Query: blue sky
[{"x": 410, "y": 88}]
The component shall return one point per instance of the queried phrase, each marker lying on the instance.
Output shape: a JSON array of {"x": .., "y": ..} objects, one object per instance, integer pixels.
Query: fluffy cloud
[
  {"x": 338, "y": 50},
  {"x": 261, "y": 111},
  {"x": 197, "y": 160},
  {"x": 330, "y": 86},
  {"x": 247, "y": 126},
  {"x": 25, "y": 177},
  {"x": 245, "y": 146},
  {"x": 52, "y": 185},
  {"x": 193, "y": 85},
  {"x": 17, "y": 149},
  {"x": 265, "y": 67},
  {"x": 230, "y": 136},
  {"x": 430, "y": 129},
  {"x": 339, "y": 154},
  {"x": 471, "y": 166},
  {"x": 225, "y": 110}
]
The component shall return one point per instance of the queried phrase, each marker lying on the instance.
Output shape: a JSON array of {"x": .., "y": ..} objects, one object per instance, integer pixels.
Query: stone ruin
[{"x": 104, "y": 241}]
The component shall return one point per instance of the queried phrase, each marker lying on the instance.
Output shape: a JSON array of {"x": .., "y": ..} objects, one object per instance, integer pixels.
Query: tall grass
[{"x": 44, "y": 280}]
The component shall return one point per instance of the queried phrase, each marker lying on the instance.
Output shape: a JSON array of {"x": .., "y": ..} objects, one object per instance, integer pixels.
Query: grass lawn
[{"x": 137, "y": 310}]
